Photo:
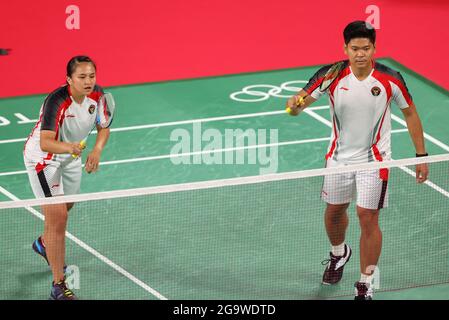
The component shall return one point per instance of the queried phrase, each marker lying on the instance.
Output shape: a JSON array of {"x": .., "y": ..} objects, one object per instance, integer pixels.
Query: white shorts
[
  {"x": 53, "y": 178},
  {"x": 370, "y": 187}
]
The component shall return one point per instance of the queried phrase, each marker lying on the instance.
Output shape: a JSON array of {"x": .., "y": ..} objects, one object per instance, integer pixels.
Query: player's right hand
[
  {"x": 292, "y": 106},
  {"x": 76, "y": 149}
]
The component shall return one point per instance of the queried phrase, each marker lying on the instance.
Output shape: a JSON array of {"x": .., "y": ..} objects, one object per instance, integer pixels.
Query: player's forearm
[
  {"x": 416, "y": 132},
  {"x": 55, "y": 146},
  {"x": 102, "y": 138},
  {"x": 308, "y": 100}
]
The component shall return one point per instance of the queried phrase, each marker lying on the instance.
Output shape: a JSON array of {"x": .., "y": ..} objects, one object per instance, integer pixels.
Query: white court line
[
  {"x": 13, "y": 140},
  {"x": 12, "y": 173},
  {"x": 177, "y": 155},
  {"x": 429, "y": 183},
  {"x": 241, "y": 116},
  {"x": 176, "y": 123},
  {"x": 405, "y": 169},
  {"x": 168, "y": 156},
  {"x": 426, "y": 136},
  {"x": 321, "y": 119},
  {"x": 92, "y": 251},
  {"x": 309, "y": 111},
  {"x": 393, "y": 117},
  {"x": 216, "y": 151}
]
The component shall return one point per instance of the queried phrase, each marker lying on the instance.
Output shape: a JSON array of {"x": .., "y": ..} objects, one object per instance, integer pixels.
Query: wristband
[{"x": 422, "y": 155}]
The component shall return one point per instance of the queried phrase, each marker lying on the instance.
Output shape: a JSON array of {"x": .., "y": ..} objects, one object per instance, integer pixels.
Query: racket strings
[
  {"x": 106, "y": 112},
  {"x": 331, "y": 75}
]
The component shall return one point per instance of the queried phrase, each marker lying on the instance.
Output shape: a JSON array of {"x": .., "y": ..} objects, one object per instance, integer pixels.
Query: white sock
[
  {"x": 338, "y": 250},
  {"x": 366, "y": 278}
]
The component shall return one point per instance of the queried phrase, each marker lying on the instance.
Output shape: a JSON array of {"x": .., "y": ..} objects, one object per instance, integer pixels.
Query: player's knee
[
  {"x": 336, "y": 215},
  {"x": 369, "y": 219},
  {"x": 336, "y": 211},
  {"x": 57, "y": 226},
  {"x": 56, "y": 220}
]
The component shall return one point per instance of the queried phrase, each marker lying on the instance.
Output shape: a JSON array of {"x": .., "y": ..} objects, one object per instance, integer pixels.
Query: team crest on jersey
[
  {"x": 91, "y": 108},
  {"x": 375, "y": 91}
]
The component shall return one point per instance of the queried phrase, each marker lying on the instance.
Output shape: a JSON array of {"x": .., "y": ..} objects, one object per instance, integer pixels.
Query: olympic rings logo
[{"x": 261, "y": 92}]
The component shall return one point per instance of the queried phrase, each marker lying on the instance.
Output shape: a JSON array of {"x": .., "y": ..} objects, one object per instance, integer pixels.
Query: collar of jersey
[
  {"x": 364, "y": 80},
  {"x": 71, "y": 97}
]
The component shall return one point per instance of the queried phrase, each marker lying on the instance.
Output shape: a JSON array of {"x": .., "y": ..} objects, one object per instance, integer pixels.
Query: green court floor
[{"x": 247, "y": 242}]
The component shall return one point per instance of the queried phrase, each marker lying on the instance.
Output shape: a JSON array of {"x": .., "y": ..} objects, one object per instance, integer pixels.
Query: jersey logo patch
[
  {"x": 375, "y": 91},
  {"x": 91, "y": 109},
  {"x": 344, "y": 88}
]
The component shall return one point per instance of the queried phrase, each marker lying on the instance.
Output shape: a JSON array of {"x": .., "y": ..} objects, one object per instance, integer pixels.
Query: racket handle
[
  {"x": 300, "y": 100},
  {"x": 82, "y": 145}
]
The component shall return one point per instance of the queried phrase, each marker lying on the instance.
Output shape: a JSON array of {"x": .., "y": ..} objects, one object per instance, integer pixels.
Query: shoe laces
[
  {"x": 66, "y": 291},
  {"x": 332, "y": 260}
]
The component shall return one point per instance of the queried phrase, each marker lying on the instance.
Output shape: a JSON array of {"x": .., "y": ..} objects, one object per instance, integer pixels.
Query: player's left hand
[
  {"x": 92, "y": 161},
  {"x": 422, "y": 171}
]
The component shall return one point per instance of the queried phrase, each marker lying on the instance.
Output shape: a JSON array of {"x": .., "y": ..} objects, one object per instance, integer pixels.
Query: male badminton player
[
  {"x": 360, "y": 100},
  {"x": 66, "y": 118}
]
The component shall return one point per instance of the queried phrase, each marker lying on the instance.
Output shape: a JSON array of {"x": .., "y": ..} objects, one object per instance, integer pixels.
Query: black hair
[
  {"x": 359, "y": 29},
  {"x": 71, "y": 66}
]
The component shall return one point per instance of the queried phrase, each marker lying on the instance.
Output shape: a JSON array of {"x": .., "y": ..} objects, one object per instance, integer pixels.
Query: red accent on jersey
[
  {"x": 331, "y": 97},
  {"x": 334, "y": 142},
  {"x": 95, "y": 95},
  {"x": 314, "y": 86},
  {"x": 59, "y": 120},
  {"x": 343, "y": 74},
  {"x": 397, "y": 82},
  {"x": 377, "y": 155},
  {"x": 384, "y": 80},
  {"x": 381, "y": 77},
  {"x": 383, "y": 174},
  {"x": 380, "y": 126},
  {"x": 40, "y": 166},
  {"x": 32, "y": 132}
]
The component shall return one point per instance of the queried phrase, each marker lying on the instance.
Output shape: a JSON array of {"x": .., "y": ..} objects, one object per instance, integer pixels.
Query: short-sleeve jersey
[
  {"x": 360, "y": 112},
  {"x": 71, "y": 121}
]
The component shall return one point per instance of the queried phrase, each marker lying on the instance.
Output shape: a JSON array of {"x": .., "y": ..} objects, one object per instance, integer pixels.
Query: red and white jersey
[
  {"x": 71, "y": 121},
  {"x": 360, "y": 112}
]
